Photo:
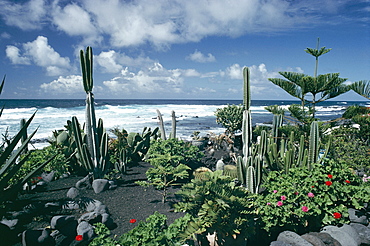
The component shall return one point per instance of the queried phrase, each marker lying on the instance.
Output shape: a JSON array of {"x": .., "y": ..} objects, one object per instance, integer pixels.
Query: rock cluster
[
  {"x": 64, "y": 229},
  {"x": 355, "y": 234}
]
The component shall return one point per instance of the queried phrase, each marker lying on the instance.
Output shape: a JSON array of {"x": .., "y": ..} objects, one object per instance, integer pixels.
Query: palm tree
[{"x": 362, "y": 88}]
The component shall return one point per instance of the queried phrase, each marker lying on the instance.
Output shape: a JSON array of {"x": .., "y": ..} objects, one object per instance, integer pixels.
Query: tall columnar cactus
[
  {"x": 250, "y": 165},
  {"x": 92, "y": 148}
]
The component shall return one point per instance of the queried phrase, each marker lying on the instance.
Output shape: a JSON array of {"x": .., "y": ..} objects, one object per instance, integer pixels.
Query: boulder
[
  {"x": 100, "y": 185},
  {"x": 60, "y": 221},
  {"x": 292, "y": 238},
  {"x": 363, "y": 232},
  {"x": 37, "y": 237},
  {"x": 279, "y": 243},
  {"x": 48, "y": 177},
  {"x": 73, "y": 193},
  {"x": 85, "y": 230},
  {"x": 357, "y": 216},
  {"x": 341, "y": 235},
  {"x": 315, "y": 241},
  {"x": 326, "y": 238}
]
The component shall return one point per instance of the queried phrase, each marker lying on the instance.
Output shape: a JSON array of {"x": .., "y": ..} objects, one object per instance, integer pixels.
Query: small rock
[
  {"x": 37, "y": 237},
  {"x": 363, "y": 232},
  {"x": 85, "y": 230},
  {"x": 220, "y": 165},
  {"x": 340, "y": 235},
  {"x": 357, "y": 216},
  {"x": 112, "y": 185},
  {"x": 315, "y": 241},
  {"x": 92, "y": 205},
  {"x": 73, "y": 193},
  {"x": 9, "y": 223},
  {"x": 100, "y": 185},
  {"x": 48, "y": 177},
  {"x": 84, "y": 183},
  {"x": 90, "y": 217},
  {"x": 60, "y": 221},
  {"x": 292, "y": 238}
]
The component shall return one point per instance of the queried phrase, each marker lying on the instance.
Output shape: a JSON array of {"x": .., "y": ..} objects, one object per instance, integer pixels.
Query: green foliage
[
  {"x": 102, "y": 238},
  {"x": 10, "y": 163},
  {"x": 312, "y": 90},
  {"x": 59, "y": 164},
  {"x": 362, "y": 88},
  {"x": 155, "y": 232},
  {"x": 303, "y": 200},
  {"x": 166, "y": 171},
  {"x": 348, "y": 148},
  {"x": 184, "y": 151},
  {"x": 359, "y": 115},
  {"x": 230, "y": 117},
  {"x": 217, "y": 205}
]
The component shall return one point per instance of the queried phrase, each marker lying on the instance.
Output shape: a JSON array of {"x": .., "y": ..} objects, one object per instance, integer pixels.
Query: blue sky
[{"x": 193, "y": 49}]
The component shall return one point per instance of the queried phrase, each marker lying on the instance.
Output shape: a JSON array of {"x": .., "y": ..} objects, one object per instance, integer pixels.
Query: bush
[
  {"x": 230, "y": 117},
  {"x": 304, "y": 201},
  {"x": 60, "y": 164},
  {"x": 184, "y": 151}
]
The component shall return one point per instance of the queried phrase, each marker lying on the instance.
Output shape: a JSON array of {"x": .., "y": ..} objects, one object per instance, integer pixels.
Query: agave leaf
[{"x": 9, "y": 149}]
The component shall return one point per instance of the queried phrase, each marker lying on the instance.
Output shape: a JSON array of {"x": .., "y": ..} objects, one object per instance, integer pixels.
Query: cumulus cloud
[
  {"x": 63, "y": 85},
  {"x": 153, "y": 79},
  {"x": 113, "y": 62},
  {"x": 26, "y": 16},
  {"x": 40, "y": 53},
  {"x": 138, "y": 22},
  {"x": 198, "y": 56}
]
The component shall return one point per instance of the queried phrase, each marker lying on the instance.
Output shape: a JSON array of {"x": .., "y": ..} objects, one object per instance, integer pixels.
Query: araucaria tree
[{"x": 312, "y": 90}]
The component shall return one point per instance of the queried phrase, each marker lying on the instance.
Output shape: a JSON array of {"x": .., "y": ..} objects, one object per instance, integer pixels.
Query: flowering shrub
[{"x": 305, "y": 200}]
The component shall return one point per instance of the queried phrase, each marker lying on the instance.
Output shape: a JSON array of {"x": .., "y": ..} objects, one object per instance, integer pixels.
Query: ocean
[{"x": 134, "y": 115}]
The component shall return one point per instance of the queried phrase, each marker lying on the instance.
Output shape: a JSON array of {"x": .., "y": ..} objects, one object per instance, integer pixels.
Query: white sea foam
[{"x": 134, "y": 117}]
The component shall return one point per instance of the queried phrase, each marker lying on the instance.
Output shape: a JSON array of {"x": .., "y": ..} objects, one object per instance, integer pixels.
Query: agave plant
[{"x": 10, "y": 161}]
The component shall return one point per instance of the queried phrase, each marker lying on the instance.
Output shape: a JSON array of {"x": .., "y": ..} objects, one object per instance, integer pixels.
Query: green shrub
[
  {"x": 184, "y": 151},
  {"x": 303, "y": 200},
  {"x": 155, "y": 232},
  {"x": 60, "y": 164},
  {"x": 217, "y": 205},
  {"x": 230, "y": 117},
  {"x": 350, "y": 149}
]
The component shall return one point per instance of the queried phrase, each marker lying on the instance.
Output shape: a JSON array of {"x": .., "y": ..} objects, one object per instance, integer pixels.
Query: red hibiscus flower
[
  {"x": 132, "y": 221},
  {"x": 330, "y": 176},
  {"x": 347, "y": 181},
  {"x": 337, "y": 215},
  {"x": 328, "y": 183},
  {"x": 79, "y": 238}
]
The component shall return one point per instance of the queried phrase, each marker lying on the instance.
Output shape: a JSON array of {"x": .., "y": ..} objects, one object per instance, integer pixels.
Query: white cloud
[
  {"x": 26, "y": 16},
  {"x": 153, "y": 79},
  {"x": 40, "y": 53},
  {"x": 198, "y": 56},
  {"x": 138, "y": 22},
  {"x": 12, "y": 53},
  {"x": 64, "y": 85}
]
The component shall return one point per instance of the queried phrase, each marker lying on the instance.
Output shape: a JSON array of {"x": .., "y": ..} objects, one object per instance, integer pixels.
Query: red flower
[
  {"x": 347, "y": 181},
  {"x": 328, "y": 183},
  {"x": 312, "y": 186},
  {"x": 330, "y": 176},
  {"x": 337, "y": 215},
  {"x": 132, "y": 221},
  {"x": 79, "y": 238}
]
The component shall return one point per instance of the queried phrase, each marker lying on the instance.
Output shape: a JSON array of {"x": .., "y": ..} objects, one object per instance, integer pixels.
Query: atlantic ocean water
[{"x": 134, "y": 115}]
